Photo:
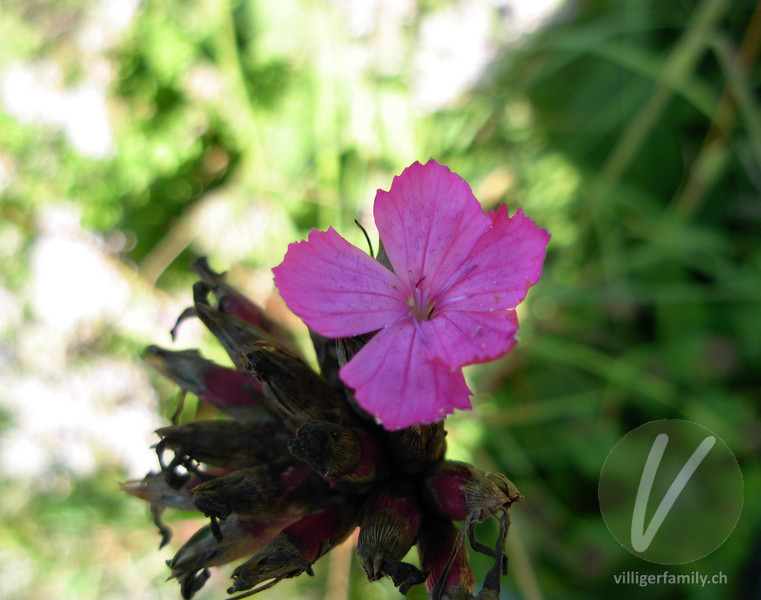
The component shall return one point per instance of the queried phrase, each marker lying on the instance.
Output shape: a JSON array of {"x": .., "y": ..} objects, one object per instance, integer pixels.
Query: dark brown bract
[{"x": 294, "y": 465}]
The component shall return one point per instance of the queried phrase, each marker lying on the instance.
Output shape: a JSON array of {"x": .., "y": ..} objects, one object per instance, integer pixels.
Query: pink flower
[{"x": 458, "y": 274}]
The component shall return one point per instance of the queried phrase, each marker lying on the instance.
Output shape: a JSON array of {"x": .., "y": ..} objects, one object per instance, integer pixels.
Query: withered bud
[
  {"x": 458, "y": 490},
  {"x": 261, "y": 492},
  {"x": 221, "y": 443},
  {"x": 443, "y": 554},
  {"x": 491, "y": 588},
  {"x": 418, "y": 447},
  {"x": 240, "y": 537},
  {"x": 234, "y": 392},
  {"x": 297, "y": 547},
  {"x": 349, "y": 458},
  {"x": 389, "y": 525},
  {"x": 297, "y": 393}
]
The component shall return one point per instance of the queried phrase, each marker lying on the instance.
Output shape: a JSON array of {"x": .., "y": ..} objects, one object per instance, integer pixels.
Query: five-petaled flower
[{"x": 458, "y": 274}]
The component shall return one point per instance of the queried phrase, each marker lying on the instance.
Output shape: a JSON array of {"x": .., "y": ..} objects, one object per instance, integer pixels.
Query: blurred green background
[{"x": 135, "y": 136}]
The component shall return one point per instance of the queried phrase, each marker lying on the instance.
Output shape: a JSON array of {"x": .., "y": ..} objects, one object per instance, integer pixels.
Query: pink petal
[
  {"x": 396, "y": 382},
  {"x": 428, "y": 222},
  {"x": 461, "y": 338},
  {"x": 337, "y": 289},
  {"x": 504, "y": 263}
]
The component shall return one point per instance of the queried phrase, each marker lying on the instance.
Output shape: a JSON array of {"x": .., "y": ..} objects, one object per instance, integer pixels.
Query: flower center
[{"x": 422, "y": 306}]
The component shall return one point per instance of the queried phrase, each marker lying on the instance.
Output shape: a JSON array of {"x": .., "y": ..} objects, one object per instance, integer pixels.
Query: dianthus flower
[
  {"x": 448, "y": 299},
  {"x": 296, "y": 465}
]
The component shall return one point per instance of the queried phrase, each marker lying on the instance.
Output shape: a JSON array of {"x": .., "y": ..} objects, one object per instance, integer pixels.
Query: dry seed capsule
[
  {"x": 435, "y": 545},
  {"x": 416, "y": 448},
  {"x": 458, "y": 490},
  {"x": 261, "y": 492},
  {"x": 222, "y": 443},
  {"x": 234, "y": 392},
  {"x": 240, "y": 537},
  {"x": 297, "y": 547},
  {"x": 296, "y": 392},
  {"x": 349, "y": 458},
  {"x": 389, "y": 524}
]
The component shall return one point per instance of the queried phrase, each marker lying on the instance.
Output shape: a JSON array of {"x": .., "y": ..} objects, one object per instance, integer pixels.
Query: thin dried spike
[
  {"x": 491, "y": 587},
  {"x": 443, "y": 554},
  {"x": 164, "y": 531},
  {"x": 438, "y": 590},
  {"x": 261, "y": 588},
  {"x": 296, "y": 392},
  {"x": 484, "y": 549},
  {"x": 349, "y": 458},
  {"x": 367, "y": 237},
  {"x": 186, "y": 314}
]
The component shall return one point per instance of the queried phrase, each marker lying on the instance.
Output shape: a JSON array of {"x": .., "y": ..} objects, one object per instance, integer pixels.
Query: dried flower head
[{"x": 300, "y": 459}]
